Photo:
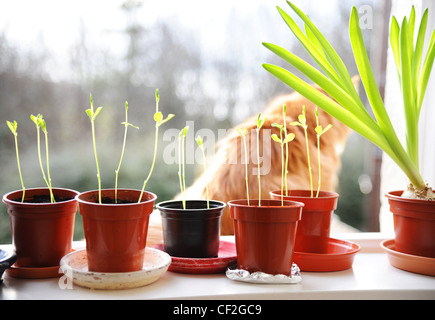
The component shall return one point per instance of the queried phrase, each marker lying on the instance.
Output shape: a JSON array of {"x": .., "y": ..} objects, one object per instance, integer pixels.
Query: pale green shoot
[
  {"x": 92, "y": 115},
  {"x": 158, "y": 118},
  {"x": 13, "y": 127},
  {"x": 181, "y": 164},
  {"x": 284, "y": 111},
  {"x": 40, "y": 124},
  {"x": 282, "y": 141},
  {"x": 345, "y": 105},
  {"x": 243, "y": 134},
  {"x": 260, "y": 123},
  {"x": 319, "y": 132},
  {"x": 126, "y": 125},
  {"x": 201, "y": 146},
  {"x": 302, "y": 122}
]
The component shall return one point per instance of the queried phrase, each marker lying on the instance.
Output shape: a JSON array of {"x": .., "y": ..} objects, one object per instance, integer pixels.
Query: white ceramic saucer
[{"x": 75, "y": 266}]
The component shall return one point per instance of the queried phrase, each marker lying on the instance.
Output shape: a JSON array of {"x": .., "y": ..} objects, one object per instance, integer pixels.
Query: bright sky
[{"x": 25, "y": 21}]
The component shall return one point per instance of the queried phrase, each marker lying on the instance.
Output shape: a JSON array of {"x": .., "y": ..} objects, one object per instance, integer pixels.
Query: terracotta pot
[
  {"x": 42, "y": 232},
  {"x": 414, "y": 224},
  {"x": 316, "y": 218},
  {"x": 265, "y": 235},
  {"x": 192, "y": 232},
  {"x": 115, "y": 233}
]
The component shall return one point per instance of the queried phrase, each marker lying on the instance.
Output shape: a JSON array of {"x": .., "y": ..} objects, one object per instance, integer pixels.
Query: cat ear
[{"x": 356, "y": 80}]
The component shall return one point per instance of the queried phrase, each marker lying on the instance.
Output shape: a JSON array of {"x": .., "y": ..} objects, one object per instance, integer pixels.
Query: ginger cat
[{"x": 226, "y": 173}]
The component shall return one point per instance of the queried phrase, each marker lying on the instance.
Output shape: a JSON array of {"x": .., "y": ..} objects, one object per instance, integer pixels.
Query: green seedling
[
  {"x": 302, "y": 122},
  {"x": 126, "y": 125},
  {"x": 346, "y": 106},
  {"x": 242, "y": 132},
  {"x": 92, "y": 115},
  {"x": 13, "y": 127},
  {"x": 181, "y": 163},
  {"x": 319, "y": 132},
  {"x": 201, "y": 146},
  {"x": 283, "y": 141},
  {"x": 40, "y": 124},
  {"x": 284, "y": 111},
  {"x": 260, "y": 123},
  {"x": 158, "y": 118}
]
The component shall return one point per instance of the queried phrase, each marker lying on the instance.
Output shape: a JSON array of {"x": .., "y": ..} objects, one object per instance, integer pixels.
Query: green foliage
[
  {"x": 242, "y": 132},
  {"x": 92, "y": 115},
  {"x": 13, "y": 126},
  {"x": 283, "y": 141},
  {"x": 201, "y": 146},
  {"x": 335, "y": 80},
  {"x": 181, "y": 163},
  {"x": 158, "y": 118},
  {"x": 260, "y": 123},
  {"x": 126, "y": 125},
  {"x": 40, "y": 124}
]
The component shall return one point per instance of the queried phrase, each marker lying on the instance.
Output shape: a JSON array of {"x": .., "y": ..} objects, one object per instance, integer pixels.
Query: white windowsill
[{"x": 371, "y": 277}]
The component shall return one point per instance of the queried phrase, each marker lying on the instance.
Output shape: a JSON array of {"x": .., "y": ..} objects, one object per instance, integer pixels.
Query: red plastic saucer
[
  {"x": 338, "y": 256},
  {"x": 227, "y": 256},
  {"x": 33, "y": 273},
  {"x": 408, "y": 262}
]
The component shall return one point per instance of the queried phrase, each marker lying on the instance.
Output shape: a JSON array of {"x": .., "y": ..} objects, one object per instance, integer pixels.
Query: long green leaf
[
  {"x": 311, "y": 48},
  {"x": 394, "y": 41},
  {"x": 425, "y": 72},
  {"x": 408, "y": 94},
  {"x": 332, "y": 55},
  {"x": 367, "y": 77},
  {"x": 327, "y": 104},
  {"x": 330, "y": 87},
  {"x": 418, "y": 52}
]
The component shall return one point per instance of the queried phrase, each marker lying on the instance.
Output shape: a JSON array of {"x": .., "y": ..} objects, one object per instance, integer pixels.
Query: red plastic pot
[
  {"x": 316, "y": 218},
  {"x": 193, "y": 232},
  {"x": 414, "y": 224},
  {"x": 115, "y": 233},
  {"x": 265, "y": 235},
  {"x": 42, "y": 232}
]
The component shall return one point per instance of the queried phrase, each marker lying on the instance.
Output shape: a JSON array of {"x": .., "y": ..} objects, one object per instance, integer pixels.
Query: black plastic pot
[{"x": 192, "y": 232}]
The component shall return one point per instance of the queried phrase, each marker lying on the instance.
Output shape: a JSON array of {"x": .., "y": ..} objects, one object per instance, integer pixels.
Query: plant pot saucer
[
  {"x": 339, "y": 256},
  {"x": 34, "y": 272},
  {"x": 75, "y": 265},
  {"x": 227, "y": 256},
  {"x": 408, "y": 262}
]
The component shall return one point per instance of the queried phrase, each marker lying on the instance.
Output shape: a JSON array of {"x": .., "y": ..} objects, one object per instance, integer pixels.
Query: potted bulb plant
[
  {"x": 116, "y": 220},
  {"x": 42, "y": 219},
  {"x": 264, "y": 229},
  {"x": 413, "y": 209},
  {"x": 314, "y": 227},
  {"x": 191, "y": 228}
]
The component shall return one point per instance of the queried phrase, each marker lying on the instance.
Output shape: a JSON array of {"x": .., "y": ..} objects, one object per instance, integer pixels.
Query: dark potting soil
[
  {"x": 110, "y": 200},
  {"x": 43, "y": 199}
]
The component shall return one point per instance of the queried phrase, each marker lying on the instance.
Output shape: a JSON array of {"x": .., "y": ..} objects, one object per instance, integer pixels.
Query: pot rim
[
  {"x": 153, "y": 197},
  {"x": 287, "y": 203},
  {"x": 220, "y": 205},
  {"x": 396, "y": 195},
  {"x": 6, "y": 198},
  {"x": 322, "y": 194}
]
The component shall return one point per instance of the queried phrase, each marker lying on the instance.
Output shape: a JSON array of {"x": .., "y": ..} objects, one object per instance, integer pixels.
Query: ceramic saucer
[
  {"x": 75, "y": 266},
  {"x": 408, "y": 262},
  {"x": 339, "y": 256},
  {"x": 227, "y": 256}
]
